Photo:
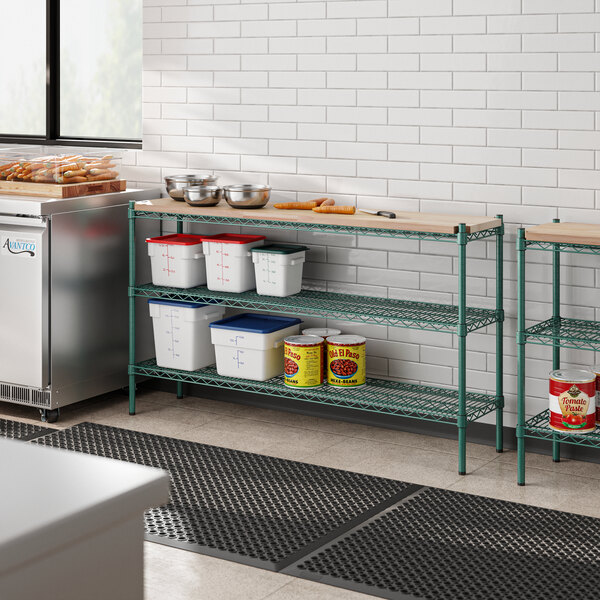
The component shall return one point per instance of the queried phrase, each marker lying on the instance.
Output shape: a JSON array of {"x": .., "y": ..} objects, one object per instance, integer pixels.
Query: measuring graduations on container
[
  {"x": 303, "y": 361},
  {"x": 177, "y": 260},
  {"x": 181, "y": 333},
  {"x": 346, "y": 360},
  {"x": 572, "y": 400},
  {"x": 229, "y": 261}
]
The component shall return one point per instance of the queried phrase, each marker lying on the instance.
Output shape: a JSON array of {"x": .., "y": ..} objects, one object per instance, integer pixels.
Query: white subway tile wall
[{"x": 460, "y": 106}]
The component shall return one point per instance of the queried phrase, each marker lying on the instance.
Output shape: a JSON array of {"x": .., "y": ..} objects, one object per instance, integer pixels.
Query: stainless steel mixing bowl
[
  {"x": 203, "y": 195},
  {"x": 176, "y": 183},
  {"x": 246, "y": 195}
]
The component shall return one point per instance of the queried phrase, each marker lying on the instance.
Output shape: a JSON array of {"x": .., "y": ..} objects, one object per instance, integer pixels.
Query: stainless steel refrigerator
[{"x": 63, "y": 298}]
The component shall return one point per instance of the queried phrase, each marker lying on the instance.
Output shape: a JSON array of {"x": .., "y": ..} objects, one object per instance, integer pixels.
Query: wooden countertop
[
  {"x": 587, "y": 234},
  {"x": 405, "y": 221}
]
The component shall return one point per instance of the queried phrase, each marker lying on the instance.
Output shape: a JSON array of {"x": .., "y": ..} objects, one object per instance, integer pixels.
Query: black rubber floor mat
[
  {"x": 259, "y": 510},
  {"x": 446, "y": 545},
  {"x": 17, "y": 430}
]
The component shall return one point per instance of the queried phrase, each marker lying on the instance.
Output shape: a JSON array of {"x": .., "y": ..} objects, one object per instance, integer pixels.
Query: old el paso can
[
  {"x": 303, "y": 361},
  {"x": 596, "y": 370},
  {"x": 346, "y": 360},
  {"x": 572, "y": 400}
]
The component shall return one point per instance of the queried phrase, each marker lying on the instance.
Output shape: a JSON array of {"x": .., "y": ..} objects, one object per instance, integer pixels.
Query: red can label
[{"x": 572, "y": 406}]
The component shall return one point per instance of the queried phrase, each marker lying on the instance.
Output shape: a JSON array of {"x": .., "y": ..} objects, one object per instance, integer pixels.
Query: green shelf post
[
  {"x": 521, "y": 247},
  {"x": 131, "y": 294},
  {"x": 179, "y": 383},
  {"x": 499, "y": 336},
  {"x": 556, "y": 328},
  {"x": 462, "y": 348}
]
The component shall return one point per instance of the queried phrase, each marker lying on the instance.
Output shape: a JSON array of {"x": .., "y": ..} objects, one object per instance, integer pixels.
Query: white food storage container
[
  {"x": 181, "y": 333},
  {"x": 229, "y": 261},
  {"x": 177, "y": 260},
  {"x": 278, "y": 269},
  {"x": 250, "y": 346}
]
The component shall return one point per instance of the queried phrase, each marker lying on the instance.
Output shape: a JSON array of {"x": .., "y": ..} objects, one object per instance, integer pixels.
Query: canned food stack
[{"x": 343, "y": 355}]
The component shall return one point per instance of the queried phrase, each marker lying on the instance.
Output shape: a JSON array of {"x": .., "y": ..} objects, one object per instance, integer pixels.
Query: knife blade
[{"x": 380, "y": 213}]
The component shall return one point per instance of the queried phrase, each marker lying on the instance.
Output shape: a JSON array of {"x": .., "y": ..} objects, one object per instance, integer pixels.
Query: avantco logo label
[{"x": 15, "y": 246}]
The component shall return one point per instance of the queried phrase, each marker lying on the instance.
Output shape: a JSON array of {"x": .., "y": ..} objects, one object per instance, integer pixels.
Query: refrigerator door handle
[{"x": 23, "y": 221}]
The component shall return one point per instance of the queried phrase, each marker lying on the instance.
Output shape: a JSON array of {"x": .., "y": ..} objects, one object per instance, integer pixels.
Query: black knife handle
[{"x": 386, "y": 213}]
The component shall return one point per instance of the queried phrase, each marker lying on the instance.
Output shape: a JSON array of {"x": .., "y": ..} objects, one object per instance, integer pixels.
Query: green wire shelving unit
[
  {"x": 429, "y": 403},
  {"x": 557, "y": 332}
]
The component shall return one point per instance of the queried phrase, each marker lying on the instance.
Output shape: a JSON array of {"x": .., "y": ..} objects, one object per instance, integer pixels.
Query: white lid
[
  {"x": 304, "y": 340},
  {"x": 572, "y": 375},
  {"x": 346, "y": 340},
  {"x": 321, "y": 331}
]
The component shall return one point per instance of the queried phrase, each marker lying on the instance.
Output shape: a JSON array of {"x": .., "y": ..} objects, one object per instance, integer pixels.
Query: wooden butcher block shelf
[
  {"x": 61, "y": 190},
  {"x": 404, "y": 221},
  {"x": 587, "y": 234}
]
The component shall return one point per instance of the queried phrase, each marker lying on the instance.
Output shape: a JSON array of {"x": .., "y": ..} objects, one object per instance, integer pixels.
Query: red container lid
[
  {"x": 181, "y": 239},
  {"x": 233, "y": 238}
]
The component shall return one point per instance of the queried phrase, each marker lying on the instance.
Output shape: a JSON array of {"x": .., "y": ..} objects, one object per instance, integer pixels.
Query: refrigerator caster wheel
[{"x": 50, "y": 416}]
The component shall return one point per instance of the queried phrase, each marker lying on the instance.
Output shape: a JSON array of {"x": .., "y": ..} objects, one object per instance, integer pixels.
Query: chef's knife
[{"x": 380, "y": 213}]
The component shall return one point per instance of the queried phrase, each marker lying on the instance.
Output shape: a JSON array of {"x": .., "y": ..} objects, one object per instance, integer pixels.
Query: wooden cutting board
[
  {"x": 406, "y": 221},
  {"x": 61, "y": 190},
  {"x": 565, "y": 233}
]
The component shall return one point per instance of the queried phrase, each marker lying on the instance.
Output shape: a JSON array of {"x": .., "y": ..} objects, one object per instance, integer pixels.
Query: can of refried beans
[
  {"x": 303, "y": 361},
  {"x": 325, "y": 333},
  {"x": 572, "y": 400},
  {"x": 346, "y": 361}
]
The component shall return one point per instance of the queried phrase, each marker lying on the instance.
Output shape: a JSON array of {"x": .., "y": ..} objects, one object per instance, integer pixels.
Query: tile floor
[{"x": 179, "y": 575}]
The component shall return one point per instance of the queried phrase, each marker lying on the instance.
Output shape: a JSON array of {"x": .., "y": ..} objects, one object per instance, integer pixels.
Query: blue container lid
[
  {"x": 176, "y": 303},
  {"x": 255, "y": 323}
]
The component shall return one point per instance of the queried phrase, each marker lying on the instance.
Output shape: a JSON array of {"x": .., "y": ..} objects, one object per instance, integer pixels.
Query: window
[
  {"x": 77, "y": 79},
  {"x": 23, "y": 88}
]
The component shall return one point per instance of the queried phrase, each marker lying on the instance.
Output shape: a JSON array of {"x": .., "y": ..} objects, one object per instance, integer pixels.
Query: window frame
[{"x": 53, "y": 137}]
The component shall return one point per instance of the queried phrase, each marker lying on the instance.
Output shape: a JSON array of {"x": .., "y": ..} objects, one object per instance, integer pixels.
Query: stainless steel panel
[
  {"x": 89, "y": 318},
  {"x": 29, "y": 205},
  {"x": 24, "y": 301}
]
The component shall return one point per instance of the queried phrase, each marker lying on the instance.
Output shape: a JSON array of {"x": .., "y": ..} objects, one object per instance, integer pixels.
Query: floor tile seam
[
  {"x": 513, "y": 467},
  {"x": 271, "y": 594},
  {"x": 186, "y": 429},
  {"x": 366, "y": 439}
]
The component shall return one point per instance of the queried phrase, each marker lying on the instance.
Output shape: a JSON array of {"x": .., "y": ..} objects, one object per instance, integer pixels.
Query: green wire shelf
[
  {"x": 379, "y": 395},
  {"x": 570, "y": 333},
  {"x": 537, "y": 427},
  {"x": 563, "y": 247},
  {"x": 363, "y": 309},
  {"x": 321, "y": 227}
]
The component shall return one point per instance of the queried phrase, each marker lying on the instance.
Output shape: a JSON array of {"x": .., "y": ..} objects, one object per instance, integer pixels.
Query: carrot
[
  {"x": 340, "y": 210},
  {"x": 296, "y": 205},
  {"x": 321, "y": 201}
]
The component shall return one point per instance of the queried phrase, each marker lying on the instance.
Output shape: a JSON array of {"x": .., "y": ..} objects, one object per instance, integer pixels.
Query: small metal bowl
[
  {"x": 246, "y": 195},
  {"x": 203, "y": 195},
  {"x": 176, "y": 183}
]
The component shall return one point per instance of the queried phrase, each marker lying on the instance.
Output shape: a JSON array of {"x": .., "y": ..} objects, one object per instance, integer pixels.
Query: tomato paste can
[
  {"x": 324, "y": 332},
  {"x": 572, "y": 400},
  {"x": 596, "y": 370},
  {"x": 303, "y": 361},
  {"x": 346, "y": 360}
]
